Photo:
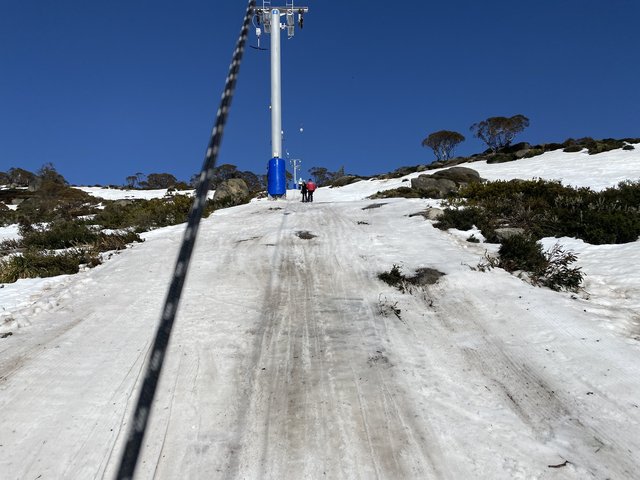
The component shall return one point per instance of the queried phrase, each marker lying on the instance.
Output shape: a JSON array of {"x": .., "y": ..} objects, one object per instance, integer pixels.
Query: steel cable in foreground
[{"x": 138, "y": 423}]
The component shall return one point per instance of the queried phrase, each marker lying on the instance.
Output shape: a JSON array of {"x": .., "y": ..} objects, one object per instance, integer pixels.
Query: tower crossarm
[{"x": 283, "y": 9}]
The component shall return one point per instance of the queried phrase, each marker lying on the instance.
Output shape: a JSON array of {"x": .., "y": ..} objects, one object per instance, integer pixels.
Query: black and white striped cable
[{"x": 138, "y": 424}]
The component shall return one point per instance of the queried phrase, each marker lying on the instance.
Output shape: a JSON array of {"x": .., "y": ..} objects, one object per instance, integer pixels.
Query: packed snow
[
  {"x": 579, "y": 169},
  {"x": 10, "y": 232},
  {"x": 290, "y": 359},
  {"x": 134, "y": 194}
]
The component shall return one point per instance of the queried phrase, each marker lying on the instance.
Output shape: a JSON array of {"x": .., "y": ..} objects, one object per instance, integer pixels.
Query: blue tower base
[{"x": 277, "y": 177}]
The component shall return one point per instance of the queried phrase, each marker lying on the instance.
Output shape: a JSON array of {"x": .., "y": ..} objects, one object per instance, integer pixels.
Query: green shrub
[
  {"x": 9, "y": 246},
  {"x": 534, "y": 152},
  {"x": 114, "y": 241},
  {"x": 557, "y": 274},
  {"x": 7, "y": 216},
  {"x": 345, "y": 180},
  {"x": 54, "y": 201},
  {"x": 228, "y": 202},
  {"x": 573, "y": 148},
  {"x": 466, "y": 219},
  {"x": 473, "y": 239},
  {"x": 144, "y": 215},
  {"x": 400, "y": 192},
  {"x": 400, "y": 172},
  {"x": 501, "y": 158},
  {"x": 422, "y": 277},
  {"x": 605, "y": 145},
  {"x": 393, "y": 277},
  {"x": 34, "y": 264},
  {"x": 550, "y": 269},
  {"x": 549, "y": 147},
  {"x": 67, "y": 234},
  {"x": 521, "y": 252},
  {"x": 57, "y": 235},
  {"x": 602, "y": 227},
  {"x": 549, "y": 209}
]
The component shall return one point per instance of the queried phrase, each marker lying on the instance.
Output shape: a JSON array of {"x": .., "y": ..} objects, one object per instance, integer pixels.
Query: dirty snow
[{"x": 288, "y": 361}]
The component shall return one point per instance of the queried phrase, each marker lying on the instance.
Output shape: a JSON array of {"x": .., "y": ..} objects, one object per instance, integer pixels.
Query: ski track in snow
[{"x": 282, "y": 365}]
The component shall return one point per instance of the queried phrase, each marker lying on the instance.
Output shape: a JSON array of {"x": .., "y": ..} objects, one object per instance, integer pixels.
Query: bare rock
[
  {"x": 233, "y": 191},
  {"x": 429, "y": 214},
  {"x": 459, "y": 175},
  {"x": 433, "y": 187}
]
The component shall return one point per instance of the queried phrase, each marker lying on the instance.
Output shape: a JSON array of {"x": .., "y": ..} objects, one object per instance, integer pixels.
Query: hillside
[{"x": 291, "y": 359}]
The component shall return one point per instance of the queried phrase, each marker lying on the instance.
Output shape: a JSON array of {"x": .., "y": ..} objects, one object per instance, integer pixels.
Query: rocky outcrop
[
  {"x": 233, "y": 191},
  {"x": 444, "y": 182},
  {"x": 429, "y": 214},
  {"x": 459, "y": 175},
  {"x": 433, "y": 187}
]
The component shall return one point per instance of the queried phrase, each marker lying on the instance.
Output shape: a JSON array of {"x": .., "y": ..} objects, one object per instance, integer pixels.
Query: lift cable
[{"x": 140, "y": 417}]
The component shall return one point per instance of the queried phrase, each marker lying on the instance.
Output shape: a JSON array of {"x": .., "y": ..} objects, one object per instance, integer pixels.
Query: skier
[{"x": 311, "y": 187}]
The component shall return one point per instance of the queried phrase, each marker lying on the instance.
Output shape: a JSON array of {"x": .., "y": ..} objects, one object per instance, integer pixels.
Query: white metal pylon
[{"x": 269, "y": 16}]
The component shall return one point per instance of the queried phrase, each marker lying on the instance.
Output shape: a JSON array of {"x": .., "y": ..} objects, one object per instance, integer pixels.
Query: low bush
[
  {"x": 64, "y": 234},
  {"x": 54, "y": 201},
  {"x": 227, "y": 202},
  {"x": 473, "y": 239},
  {"x": 558, "y": 275},
  {"x": 460, "y": 218},
  {"x": 597, "y": 146},
  {"x": 32, "y": 264},
  {"x": 400, "y": 172},
  {"x": 143, "y": 215},
  {"x": 466, "y": 219},
  {"x": 550, "y": 269},
  {"x": 534, "y": 152},
  {"x": 549, "y": 147},
  {"x": 573, "y": 148},
  {"x": 400, "y": 192},
  {"x": 10, "y": 246},
  {"x": 7, "y": 216},
  {"x": 422, "y": 277},
  {"x": 345, "y": 180},
  {"x": 393, "y": 277},
  {"x": 521, "y": 252},
  {"x": 57, "y": 235},
  {"x": 548, "y": 209},
  {"x": 501, "y": 158},
  {"x": 114, "y": 241}
]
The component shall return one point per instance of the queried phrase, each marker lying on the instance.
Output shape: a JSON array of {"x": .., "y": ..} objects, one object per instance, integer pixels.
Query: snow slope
[
  {"x": 576, "y": 169},
  {"x": 120, "y": 194},
  {"x": 287, "y": 360}
]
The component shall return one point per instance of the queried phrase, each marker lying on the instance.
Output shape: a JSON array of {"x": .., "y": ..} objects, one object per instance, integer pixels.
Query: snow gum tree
[
  {"x": 499, "y": 132},
  {"x": 443, "y": 143}
]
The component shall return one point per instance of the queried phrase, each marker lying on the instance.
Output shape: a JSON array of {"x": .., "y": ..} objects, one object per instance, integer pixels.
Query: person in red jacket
[{"x": 311, "y": 187}]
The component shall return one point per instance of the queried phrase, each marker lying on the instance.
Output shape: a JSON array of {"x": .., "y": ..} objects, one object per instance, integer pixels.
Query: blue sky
[{"x": 107, "y": 89}]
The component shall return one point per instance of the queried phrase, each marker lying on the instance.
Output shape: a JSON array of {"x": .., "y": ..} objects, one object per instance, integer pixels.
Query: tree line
[
  {"x": 221, "y": 173},
  {"x": 495, "y": 132},
  {"x": 20, "y": 177}
]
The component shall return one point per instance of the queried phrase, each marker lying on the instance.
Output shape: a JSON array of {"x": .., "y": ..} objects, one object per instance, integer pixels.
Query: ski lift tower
[{"x": 268, "y": 17}]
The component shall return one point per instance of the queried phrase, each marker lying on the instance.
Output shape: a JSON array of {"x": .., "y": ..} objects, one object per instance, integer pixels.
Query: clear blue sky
[{"x": 107, "y": 89}]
